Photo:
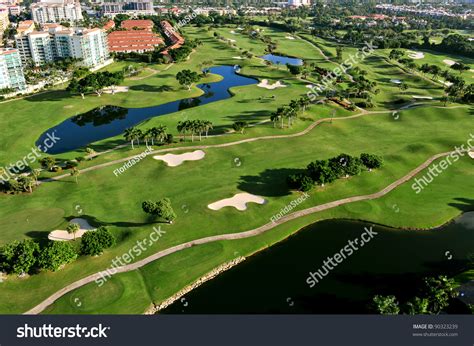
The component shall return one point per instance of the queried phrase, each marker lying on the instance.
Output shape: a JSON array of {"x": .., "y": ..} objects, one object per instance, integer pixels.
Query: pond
[
  {"x": 282, "y": 60},
  {"x": 109, "y": 121},
  {"x": 274, "y": 280}
]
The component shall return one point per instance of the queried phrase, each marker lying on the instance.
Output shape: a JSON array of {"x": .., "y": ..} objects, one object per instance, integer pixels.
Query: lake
[
  {"x": 282, "y": 60},
  {"x": 109, "y": 121},
  {"x": 393, "y": 262}
]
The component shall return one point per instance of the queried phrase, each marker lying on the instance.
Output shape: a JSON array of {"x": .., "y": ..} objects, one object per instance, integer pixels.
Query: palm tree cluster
[
  {"x": 194, "y": 127},
  {"x": 157, "y": 133},
  {"x": 290, "y": 111}
]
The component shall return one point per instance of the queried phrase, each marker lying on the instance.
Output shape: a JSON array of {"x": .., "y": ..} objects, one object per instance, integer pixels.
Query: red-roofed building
[
  {"x": 109, "y": 25},
  {"x": 142, "y": 24},
  {"x": 173, "y": 35},
  {"x": 138, "y": 41}
]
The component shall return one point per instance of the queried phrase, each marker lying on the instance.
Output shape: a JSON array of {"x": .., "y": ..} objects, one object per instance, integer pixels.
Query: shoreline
[{"x": 153, "y": 309}]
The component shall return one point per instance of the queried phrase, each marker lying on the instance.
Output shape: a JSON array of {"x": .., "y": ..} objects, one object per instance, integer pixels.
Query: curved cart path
[{"x": 231, "y": 236}]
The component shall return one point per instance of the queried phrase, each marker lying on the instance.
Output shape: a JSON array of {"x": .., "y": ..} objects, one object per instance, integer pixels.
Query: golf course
[{"x": 225, "y": 183}]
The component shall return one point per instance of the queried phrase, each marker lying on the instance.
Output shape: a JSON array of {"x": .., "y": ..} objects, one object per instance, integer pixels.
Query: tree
[
  {"x": 239, "y": 126},
  {"x": 403, "y": 86},
  {"x": 161, "y": 209},
  {"x": 48, "y": 162},
  {"x": 439, "y": 290},
  {"x": 294, "y": 69},
  {"x": 93, "y": 243},
  {"x": 76, "y": 87},
  {"x": 460, "y": 67},
  {"x": 75, "y": 173},
  {"x": 386, "y": 305},
  {"x": 72, "y": 228},
  {"x": 187, "y": 78},
  {"x": 371, "y": 161},
  {"x": 19, "y": 256},
  {"x": 417, "y": 306},
  {"x": 56, "y": 254},
  {"x": 129, "y": 135}
]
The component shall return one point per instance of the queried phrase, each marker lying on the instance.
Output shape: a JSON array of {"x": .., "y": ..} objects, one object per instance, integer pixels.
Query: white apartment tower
[
  {"x": 89, "y": 46},
  {"x": 56, "y": 11},
  {"x": 11, "y": 70}
]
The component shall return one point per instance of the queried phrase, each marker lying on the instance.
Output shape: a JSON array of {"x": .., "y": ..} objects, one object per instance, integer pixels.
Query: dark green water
[{"x": 393, "y": 262}]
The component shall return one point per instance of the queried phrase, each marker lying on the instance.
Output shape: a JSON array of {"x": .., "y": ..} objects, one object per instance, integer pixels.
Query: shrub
[
  {"x": 18, "y": 257},
  {"x": 371, "y": 161},
  {"x": 94, "y": 242},
  {"x": 56, "y": 254}
]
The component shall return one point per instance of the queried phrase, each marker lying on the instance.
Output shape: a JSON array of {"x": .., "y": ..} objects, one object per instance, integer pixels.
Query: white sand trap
[
  {"x": 264, "y": 84},
  {"x": 233, "y": 32},
  {"x": 471, "y": 71},
  {"x": 449, "y": 62},
  {"x": 422, "y": 97},
  {"x": 445, "y": 83},
  {"x": 471, "y": 154},
  {"x": 396, "y": 81},
  {"x": 119, "y": 89},
  {"x": 238, "y": 57},
  {"x": 239, "y": 28},
  {"x": 62, "y": 235},
  {"x": 239, "y": 201},
  {"x": 416, "y": 55},
  {"x": 231, "y": 40},
  {"x": 173, "y": 160},
  {"x": 290, "y": 37}
]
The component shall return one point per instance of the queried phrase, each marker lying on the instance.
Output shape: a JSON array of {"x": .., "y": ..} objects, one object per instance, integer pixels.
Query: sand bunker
[
  {"x": 264, "y": 84},
  {"x": 239, "y": 201},
  {"x": 173, "y": 160},
  {"x": 396, "y": 81},
  {"x": 231, "y": 40},
  {"x": 119, "y": 89},
  {"x": 445, "y": 83},
  {"x": 449, "y": 62},
  {"x": 290, "y": 37},
  {"x": 422, "y": 97},
  {"x": 62, "y": 235},
  {"x": 471, "y": 154},
  {"x": 416, "y": 55},
  {"x": 238, "y": 57},
  {"x": 233, "y": 32}
]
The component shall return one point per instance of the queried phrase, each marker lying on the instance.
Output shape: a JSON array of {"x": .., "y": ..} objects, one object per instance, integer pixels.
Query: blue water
[
  {"x": 109, "y": 121},
  {"x": 282, "y": 60}
]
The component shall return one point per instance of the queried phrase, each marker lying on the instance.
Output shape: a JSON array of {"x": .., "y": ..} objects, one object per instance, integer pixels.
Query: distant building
[
  {"x": 131, "y": 7},
  {"x": 298, "y": 3},
  {"x": 56, "y": 11},
  {"x": 138, "y": 37},
  {"x": 41, "y": 47},
  {"x": 4, "y": 21},
  {"x": 11, "y": 70}
]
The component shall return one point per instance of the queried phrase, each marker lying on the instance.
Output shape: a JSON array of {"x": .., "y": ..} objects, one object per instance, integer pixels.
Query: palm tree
[
  {"x": 181, "y": 127},
  {"x": 138, "y": 135},
  {"x": 147, "y": 135},
  {"x": 75, "y": 173},
  {"x": 129, "y": 135},
  {"x": 208, "y": 126},
  {"x": 72, "y": 228}
]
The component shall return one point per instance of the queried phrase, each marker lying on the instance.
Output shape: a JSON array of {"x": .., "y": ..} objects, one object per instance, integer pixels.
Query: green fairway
[{"x": 258, "y": 167}]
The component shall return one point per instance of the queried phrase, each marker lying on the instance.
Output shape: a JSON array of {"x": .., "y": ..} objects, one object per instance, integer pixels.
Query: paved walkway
[{"x": 232, "y": 236}]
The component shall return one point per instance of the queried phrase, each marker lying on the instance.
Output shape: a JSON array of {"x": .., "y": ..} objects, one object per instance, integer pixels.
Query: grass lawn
[{"x": 115, "y": 202}]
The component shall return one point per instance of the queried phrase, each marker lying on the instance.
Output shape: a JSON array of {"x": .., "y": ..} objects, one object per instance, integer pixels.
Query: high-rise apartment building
[
  {"x": 89, "y": 46},
  {"x": 4, "y": 21},
  {"x": 11, "y": 70},
  {"x": 56, "y": 11}
]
